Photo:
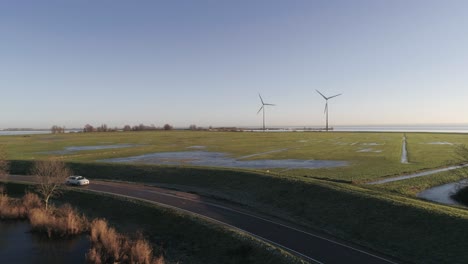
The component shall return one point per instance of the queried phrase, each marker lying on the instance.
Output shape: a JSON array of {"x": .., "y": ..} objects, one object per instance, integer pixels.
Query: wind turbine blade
[
  {"x": 269, "y": 104},
  {"x": 333, "y": 96},
  {"x": 326, "y": 108},
  {"x": 261, "y": 99},
  {"x": 260, "y": 109},
  {"x": 322, "y": 95}
]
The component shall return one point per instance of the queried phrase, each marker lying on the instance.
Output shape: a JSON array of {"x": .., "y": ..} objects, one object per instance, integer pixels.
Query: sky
[{"x": 204, "y": 62}]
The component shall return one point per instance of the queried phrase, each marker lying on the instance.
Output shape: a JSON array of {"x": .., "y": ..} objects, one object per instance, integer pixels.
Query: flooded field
[
  {"x": 217, "y": 159},
  {"x": 19, "y": 245},
  {"x": 73, "y": 149}
]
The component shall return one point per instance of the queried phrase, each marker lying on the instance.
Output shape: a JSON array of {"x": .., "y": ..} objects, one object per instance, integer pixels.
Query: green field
[
  {"x": 387, "y": 217},
  {"x": 370, "y": 155}
]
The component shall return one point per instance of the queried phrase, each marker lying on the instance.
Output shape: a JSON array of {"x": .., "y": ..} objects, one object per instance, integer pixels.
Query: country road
[{"x": 315, "y": 248}]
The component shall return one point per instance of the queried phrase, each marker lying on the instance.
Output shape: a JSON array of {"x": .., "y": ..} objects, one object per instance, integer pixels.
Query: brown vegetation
[
  {"x": 10, "y": 208},
  {"x": 50, "y": 175},
  {"x": 58, "y": 222},
  {"x": 108, "y": 246},
  {"x": 111, "y": 247}
]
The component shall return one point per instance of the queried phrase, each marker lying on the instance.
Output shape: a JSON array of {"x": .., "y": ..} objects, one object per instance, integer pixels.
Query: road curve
[{"x": 312, "y": 247}]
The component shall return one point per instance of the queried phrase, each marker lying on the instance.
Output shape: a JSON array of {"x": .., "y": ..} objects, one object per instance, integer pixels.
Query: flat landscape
[
  {"x": 316, "y": 180},
  {"x": 356, "y": 157}
]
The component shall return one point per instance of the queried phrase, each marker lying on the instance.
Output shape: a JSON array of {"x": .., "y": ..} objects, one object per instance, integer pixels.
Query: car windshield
[{"x": 80, "y": 178}]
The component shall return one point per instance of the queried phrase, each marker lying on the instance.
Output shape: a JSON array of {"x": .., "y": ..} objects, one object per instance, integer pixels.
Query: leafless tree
[
  {"x": 88, "y": 128},
  {"x": 51, "y": 174},
  {"x": 167, "y": 127},
  {"x": 57, "y": 129},
  {"x": 4, "y": 163},
  {"x": 127, "y": 128},
  {"x": 102, "y": 128}
]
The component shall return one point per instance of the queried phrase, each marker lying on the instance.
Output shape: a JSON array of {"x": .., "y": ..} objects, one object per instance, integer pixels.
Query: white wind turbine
[
  {"x": 326, "y": 105},
  {"x": 263, "y": 108}
]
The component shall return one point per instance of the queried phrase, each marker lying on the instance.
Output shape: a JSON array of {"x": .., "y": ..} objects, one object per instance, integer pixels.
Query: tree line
[{"x": 140, "y": 127}]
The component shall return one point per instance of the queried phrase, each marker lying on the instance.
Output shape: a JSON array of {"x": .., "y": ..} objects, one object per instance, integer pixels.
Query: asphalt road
[{"x": 315, "y": 248}]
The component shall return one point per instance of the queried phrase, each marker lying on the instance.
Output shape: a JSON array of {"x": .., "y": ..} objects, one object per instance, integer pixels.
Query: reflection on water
[
  {"x": 442, "y": 194},
  {"x": 217, "y": 159},
  {"x": 19, "y": 245}
]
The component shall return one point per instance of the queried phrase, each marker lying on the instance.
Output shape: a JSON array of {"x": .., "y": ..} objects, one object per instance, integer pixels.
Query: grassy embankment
[{"x": 180, "y": 237}]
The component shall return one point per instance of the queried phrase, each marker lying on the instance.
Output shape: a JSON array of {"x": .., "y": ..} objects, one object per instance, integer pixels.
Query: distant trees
[
  {"x": 140, "y": 127},
  {"x": 193, "y": 127},
  {"x": 50, "y": 175},
  {"x": 88, "y": 128},
  {"x": 102, "y": 128},
  {"x": 57, "y": 129}
]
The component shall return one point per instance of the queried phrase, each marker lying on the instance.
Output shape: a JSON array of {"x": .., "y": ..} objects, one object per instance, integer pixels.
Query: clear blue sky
[{"x": 204, "y": 62}]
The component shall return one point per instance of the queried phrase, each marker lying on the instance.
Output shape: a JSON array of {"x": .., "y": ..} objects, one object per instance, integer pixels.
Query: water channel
[{"x": 18, "y": 245}]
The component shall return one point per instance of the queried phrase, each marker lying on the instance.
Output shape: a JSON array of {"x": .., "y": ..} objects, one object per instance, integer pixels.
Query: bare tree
[
  {"x": 51, "y": 174},
  {"x": 4, "y": 163},
  {"x": 167, "y": 127},
  {"x": 88, "y": 128}
]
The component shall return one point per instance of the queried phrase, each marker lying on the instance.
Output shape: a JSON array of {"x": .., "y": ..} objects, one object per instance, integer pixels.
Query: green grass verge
[{"x": 183, "y": 238}]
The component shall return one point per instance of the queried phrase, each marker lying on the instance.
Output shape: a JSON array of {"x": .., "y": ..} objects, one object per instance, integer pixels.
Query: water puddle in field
[
  {"x": 262, "y": 153},
  {"x": 217, "y": 159},
  {"x": 197, "y": 147},
  {"x": 440, "y": 143},
  {"x": 419, "y": 174},
  {"x": 371, "y": 144},
  {"x": 19, "y": 245},
  {"x": 70, "y": 150},
  {"x": 370, "y": 150},
  {"x": 442, "y": 194}
]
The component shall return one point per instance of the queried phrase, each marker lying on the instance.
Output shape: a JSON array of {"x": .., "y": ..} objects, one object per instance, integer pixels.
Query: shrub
[
  {"x": 61, "y": 222},
  {"x": 111, "y": 247},
  {"x": 31, "y": 200}
]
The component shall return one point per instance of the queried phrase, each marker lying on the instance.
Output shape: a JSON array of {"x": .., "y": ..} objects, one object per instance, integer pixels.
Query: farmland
[
  {"x": 369, "y": 155},
  {"x": 334, "y": 200}
]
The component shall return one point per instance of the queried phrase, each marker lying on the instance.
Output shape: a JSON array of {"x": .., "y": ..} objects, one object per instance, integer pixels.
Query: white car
[{"x": 77, "y": 180}]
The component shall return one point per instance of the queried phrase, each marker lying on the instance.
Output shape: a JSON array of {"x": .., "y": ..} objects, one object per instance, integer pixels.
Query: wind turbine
[
  {"x": 263, "y": 108},
  {"x": 326, "y": 105}
]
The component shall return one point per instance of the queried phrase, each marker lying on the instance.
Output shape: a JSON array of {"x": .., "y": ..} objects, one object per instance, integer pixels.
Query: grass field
[
  {"x": 370, "y": 155},
  {"x": 384, "y": 217}
]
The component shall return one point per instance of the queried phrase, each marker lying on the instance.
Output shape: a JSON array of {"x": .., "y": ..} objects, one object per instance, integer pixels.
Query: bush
[
  {"x": 61, "y": 222},
  {"x": 111, "y": 247}
]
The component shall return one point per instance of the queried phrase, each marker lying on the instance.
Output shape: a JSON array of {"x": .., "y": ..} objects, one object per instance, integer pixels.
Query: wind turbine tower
[
  {"x": 263, "y": 108},
  {"x": 326, "y": 105}
]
